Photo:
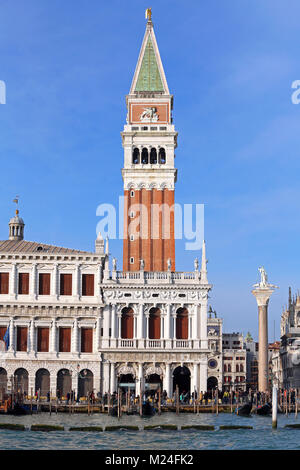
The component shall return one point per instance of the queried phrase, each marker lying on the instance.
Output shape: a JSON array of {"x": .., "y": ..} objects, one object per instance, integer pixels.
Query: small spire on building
[
  {"x": 203, "y": 264},
  {"x": 99, "y": 245},
  {"x": 107, "y": 247},
  {"x": 16, "y": 224}
]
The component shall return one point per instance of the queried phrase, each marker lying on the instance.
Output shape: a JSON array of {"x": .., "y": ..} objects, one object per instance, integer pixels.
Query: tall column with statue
[{"x": 262, "y": 292}]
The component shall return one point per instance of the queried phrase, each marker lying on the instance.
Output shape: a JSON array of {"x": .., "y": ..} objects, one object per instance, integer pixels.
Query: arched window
[
  {"x": 135, "y": 156},
  {"x": 229, "y": 368},
  {"x": 127, "y": 323},
  {"x": 162, "y": 156},
  {"x": 182, "y": 324},
  {"x": 154, "y": 323},
  {"x": 241, "y": 368},
  {"x": 145, "y": 156},
  {"x": 153, "y": 156},
  {"x": 237, "y": 368},
  {"x": 225, "y": 368}
]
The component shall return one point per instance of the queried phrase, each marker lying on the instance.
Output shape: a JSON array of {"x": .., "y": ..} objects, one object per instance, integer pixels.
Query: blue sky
[{"x": 230, "y": 65}]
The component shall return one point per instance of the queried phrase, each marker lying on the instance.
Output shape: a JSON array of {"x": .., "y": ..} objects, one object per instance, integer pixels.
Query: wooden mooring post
[
  {"x": 159, "y": 401},
  {"x": 141, "y": 404},
  {"x": 50, "y": 402},
  {"x": 31, "y": 392},
  {"x": 177, "y": 400},
  {"x": 38, "y": 400},
  {"x": 296, "y": 403},
  {"x": 274, "y": 407},
  {"x": 217, "y": 402}
]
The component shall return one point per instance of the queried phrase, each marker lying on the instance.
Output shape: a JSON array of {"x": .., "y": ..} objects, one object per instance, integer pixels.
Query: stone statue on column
[{"x": 262, "y": 292}]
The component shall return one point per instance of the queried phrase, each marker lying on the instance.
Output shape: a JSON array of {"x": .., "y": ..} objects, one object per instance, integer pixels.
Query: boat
[
  {"x": 244, "y": 410},
  {"x": 264, "y": 410},
  {"x": 147, "y": 409}
]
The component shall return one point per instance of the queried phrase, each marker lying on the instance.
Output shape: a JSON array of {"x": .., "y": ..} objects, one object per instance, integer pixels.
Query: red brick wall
[{"x": 155, "y": 243}]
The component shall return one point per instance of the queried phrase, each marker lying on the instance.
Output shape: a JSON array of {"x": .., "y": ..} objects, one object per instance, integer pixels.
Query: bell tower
[{"x": 149, "y": 140}]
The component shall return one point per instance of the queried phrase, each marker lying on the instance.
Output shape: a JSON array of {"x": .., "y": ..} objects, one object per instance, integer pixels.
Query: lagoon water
[{"x": 260, "y": 437}]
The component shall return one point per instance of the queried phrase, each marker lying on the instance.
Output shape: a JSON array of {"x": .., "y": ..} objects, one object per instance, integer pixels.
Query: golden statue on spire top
[{"x": 148, "y": 14}]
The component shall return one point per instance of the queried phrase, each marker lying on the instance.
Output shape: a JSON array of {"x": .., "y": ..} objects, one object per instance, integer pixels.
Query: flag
[{"x": 6, "y": 338}]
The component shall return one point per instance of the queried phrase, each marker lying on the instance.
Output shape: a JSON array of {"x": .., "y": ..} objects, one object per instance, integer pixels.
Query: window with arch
[
  {"x": 162, "y": 156},
  {"x": 145, "y": 156},
  {"x": 237, "y": 368},
  {"x": 135, "y": 156},
  {"x": 153, "y": 156},
  {"x": 182, "y": 324},
  {"x": 229, "y": 368},
  {"x": 225, "y": 368},
  {"x": 127, "y": 323},
  {"x": 154, "y": 323}
]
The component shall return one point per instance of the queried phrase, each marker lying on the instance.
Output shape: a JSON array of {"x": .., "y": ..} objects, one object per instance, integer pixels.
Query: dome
[{"x": 16, "y": 220}]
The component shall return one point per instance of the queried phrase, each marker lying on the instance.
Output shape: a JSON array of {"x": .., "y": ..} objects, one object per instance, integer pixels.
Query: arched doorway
[
  {"x": 127, "y": 323},
  {"x": 154, "y": 323},
  {"x": 42, "y": 382},
  {"x": 85, "y": 382},
  {"x": 182, "y": 324},
  {"x": 127, "y": 381},
  {"x": 153, "y": 383},
  {"x": 21, "y": 381},
  {"x": 3, "y": 382},
  {"x": 182, "y": 378},
  {"x": 64, "y": 382},
  {"x": 212, "y": 382}
]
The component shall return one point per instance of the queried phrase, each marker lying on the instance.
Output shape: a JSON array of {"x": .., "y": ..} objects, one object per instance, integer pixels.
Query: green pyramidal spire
[{"x": 149, "y": 78}]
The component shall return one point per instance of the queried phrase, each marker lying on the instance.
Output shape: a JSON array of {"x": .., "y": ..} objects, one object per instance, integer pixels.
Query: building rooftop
[{"x": 22, "y": 246}]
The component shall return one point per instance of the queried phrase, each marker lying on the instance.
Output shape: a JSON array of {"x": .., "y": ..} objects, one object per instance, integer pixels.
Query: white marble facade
[{"x": 114, "y": 290}]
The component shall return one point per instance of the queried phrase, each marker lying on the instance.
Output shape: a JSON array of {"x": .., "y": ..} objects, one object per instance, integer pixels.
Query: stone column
[
  {"x": 113, "y": 326},
  {"x": 106, "y": 323},
  {"x": 140, "y": 326},
  {"x": 119, "y": 325},
  {"x": 167, "y": 332},
  {"x": 75, "y": 381},
  {"x": 195, "y": 379},
  {"x": 54, "y": 291},
  {"x": 32, "y": 337},
  {"x": 13, "y": 282},
  {"x": 53, "y": 382},
  {"x": 147, "y": 315},
  {"x": 75, "y": 337},
  {"x": 76, "y": 287},
  {"x": 105, "y": 383},
  {"x": 203, "y": 375},
  {"x": 97, "y": 335},
  {"x": 53, "y": 337},
  {"x": 140, "y": 381},
  {"x": 195, "y": 326},
  {"x": 167, "y": 385},
  {"x": 34, "y": 282},
  {"x": 203, "y": 324},
  {"x": 262, "y": 295},
  {"x": 174, "y": 315},
  {"x": 11, "y": 336},
  {"x": 112, "y": 378}
]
